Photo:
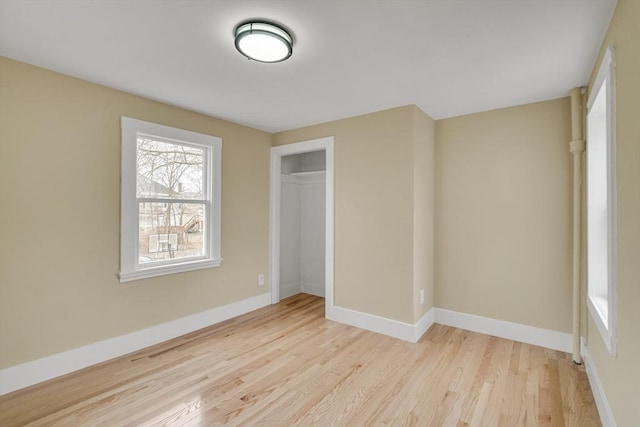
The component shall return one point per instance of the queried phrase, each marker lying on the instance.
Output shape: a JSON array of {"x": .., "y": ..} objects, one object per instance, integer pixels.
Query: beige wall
[
  {"x": 373, "y": 210},
  {"x": 59, "y": 216},
  {"x": 503, "y": 212},
  {"x": 620, "y": 374},
  {"x": 502, "y": 208},
  {"x": 423, "y": 211}
]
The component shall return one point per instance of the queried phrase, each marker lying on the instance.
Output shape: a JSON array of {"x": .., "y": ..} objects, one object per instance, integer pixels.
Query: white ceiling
[{"x": 350, "y": 57}]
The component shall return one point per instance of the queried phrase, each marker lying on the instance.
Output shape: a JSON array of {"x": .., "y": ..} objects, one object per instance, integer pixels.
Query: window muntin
[
  {"x": 601, "y": 201},
  {"x": 170, "y": 214}
]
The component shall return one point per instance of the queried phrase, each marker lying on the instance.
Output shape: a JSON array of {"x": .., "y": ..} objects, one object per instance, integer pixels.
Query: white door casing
[{"x": 277, "y": 153}]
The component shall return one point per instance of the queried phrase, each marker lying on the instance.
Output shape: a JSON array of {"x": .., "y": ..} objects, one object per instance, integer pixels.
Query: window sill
[
  {"x": 145, "y": 273},
  {"x": 599, "y": 318}
]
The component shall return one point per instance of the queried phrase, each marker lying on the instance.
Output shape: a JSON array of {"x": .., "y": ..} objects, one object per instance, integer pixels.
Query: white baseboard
[
  {"x": 604, "y": 410},
  {"x": 514, "y": 331},
  {"x": 26, "y": 374},
  {"x": 382, "y": 325},
  {"x": 424, "y": 324},
  {"x": 523, "y": 333},
  {"x": 288, "y": 290},
  {"x": 316, "y": 289},
  {"x": 30, "y": 373},
  {"x": 371, "y": 322}
]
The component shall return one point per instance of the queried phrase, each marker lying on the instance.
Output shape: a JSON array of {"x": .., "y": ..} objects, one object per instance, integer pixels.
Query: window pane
[
  {"x": 170, "y": 171},
  {"x": 170, "y": 231},
  {"x": 597, "y": 223}
]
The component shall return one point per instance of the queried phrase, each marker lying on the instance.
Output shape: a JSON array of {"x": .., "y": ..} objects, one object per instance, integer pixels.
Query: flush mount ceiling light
[{"x": 263, "y": 41}]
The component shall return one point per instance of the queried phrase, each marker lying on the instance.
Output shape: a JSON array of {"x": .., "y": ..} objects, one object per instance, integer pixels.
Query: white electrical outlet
[
  {"x": 421, "y": 296},
  {"x": 260, "y": 279}
]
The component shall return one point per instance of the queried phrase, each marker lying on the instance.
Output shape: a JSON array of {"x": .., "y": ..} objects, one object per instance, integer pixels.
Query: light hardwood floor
[{"x": 286, "y": 365}]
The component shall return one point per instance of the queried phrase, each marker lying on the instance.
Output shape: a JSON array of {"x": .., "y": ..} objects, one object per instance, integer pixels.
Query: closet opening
[{"x": 302, "y": 220}]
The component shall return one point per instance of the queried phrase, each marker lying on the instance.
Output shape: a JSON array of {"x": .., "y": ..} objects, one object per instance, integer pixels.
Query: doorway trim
[{"x": 322, "y": 144}]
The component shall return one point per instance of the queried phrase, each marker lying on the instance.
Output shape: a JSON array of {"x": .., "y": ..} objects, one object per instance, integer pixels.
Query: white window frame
[
  {"x": 130, "y": 267},
  {"x": 606, "y": 323}
]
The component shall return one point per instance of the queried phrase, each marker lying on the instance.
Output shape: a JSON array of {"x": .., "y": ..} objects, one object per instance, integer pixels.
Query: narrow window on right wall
[{"x": 601, "y": 230}]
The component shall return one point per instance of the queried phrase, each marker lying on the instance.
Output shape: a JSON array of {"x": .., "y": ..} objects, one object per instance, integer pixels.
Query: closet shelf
[{"x": 307, "y": 173}]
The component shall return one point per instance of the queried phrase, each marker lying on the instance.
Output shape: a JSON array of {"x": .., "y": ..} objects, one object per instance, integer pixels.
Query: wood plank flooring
[{"x": 286, "y": 365}]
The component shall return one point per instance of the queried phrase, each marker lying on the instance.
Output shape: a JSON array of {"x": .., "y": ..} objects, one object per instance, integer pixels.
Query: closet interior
[{"x": 302, "y": 224}]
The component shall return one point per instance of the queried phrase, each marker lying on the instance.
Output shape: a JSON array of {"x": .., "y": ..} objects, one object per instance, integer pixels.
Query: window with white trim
[
  {"x": 170, "y": 200},
  {"x": 601, "y": 201}
]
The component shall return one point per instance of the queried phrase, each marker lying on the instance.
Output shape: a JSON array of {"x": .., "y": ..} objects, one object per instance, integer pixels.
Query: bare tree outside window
[{"x": 170, "y": 191}]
